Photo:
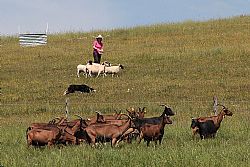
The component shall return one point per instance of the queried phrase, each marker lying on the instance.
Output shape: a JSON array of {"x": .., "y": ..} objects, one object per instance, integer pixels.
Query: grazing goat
[
  {"x": 150, "y": 132},
  {"x": 108, "y": 131},
  {"x": 114, "y": 70},
  {"x": 45, "y": 136},
  {"x": 206, "y": 129},
  {"x": 70, "y": 135},
  {"x": 216, "y": 120},
  {"x": 81, "y": 88},
  {"x": 51, "y": 123}
]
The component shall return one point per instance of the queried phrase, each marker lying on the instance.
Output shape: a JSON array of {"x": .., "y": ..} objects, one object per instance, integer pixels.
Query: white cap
[{"x": 99, "y": 36}]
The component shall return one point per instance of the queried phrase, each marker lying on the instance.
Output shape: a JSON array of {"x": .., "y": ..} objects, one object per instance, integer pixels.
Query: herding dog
[{"x": 81, "y": 88}]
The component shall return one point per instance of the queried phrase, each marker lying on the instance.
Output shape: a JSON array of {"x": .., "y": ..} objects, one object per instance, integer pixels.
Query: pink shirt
[{"x": 97, "y": 45}]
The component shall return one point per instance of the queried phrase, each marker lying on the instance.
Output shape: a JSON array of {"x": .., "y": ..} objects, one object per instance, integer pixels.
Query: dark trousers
[{"x": 97, "y": 57}]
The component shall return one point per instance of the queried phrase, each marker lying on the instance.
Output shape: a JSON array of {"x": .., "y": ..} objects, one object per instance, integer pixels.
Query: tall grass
[{"x": 182, "y": 65}]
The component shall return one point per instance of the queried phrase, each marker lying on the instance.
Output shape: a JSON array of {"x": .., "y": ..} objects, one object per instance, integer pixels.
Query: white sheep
[
  {"x": 96, "y": 69},
  {"x": 83, "y": 69},
  {"x": 114, "y": 70}
]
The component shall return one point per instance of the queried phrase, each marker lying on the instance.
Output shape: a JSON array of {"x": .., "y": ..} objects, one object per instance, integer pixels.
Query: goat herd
[{"x": 116, "y": 127}]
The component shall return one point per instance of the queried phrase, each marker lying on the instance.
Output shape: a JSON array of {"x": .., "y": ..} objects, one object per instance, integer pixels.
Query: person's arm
[{"x": 94, "y": 45}]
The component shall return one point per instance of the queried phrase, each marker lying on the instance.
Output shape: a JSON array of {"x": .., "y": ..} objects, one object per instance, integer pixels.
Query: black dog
[{"x": 81, "y": 88}]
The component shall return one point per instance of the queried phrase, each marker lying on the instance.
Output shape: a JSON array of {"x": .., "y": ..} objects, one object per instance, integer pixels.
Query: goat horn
[
  {"x": 221, "y": 105},
  {"x": 126, "y": 115},
  {"x": 164, "y": 105},
  {"x": 78, "y": 116}
]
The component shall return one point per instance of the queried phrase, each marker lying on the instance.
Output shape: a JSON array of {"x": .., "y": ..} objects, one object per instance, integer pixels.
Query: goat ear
[{"x": 144, "y": 109}]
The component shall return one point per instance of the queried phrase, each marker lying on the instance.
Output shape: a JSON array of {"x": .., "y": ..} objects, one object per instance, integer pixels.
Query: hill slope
[{"x": 163, "y": 64}]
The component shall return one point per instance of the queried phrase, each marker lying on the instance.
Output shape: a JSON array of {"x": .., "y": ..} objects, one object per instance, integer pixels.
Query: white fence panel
[{"x": 32, "y": 39}]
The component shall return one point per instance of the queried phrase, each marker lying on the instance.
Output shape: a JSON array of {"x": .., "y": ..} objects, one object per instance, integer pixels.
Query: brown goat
[
  {"x": 151, "y": 132},
  {"x": 107, "y": 131},
  {"x": 115, "y": 116},
  {"x": 51, "y": 123},
  {"x": 136, "y": 114},
  {"x": 69, "y": 132},
  {"x": 46, "y": 136},
  {"x": 216, "y": 120}
]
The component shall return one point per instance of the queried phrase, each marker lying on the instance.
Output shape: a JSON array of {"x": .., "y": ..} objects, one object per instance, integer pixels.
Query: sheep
[
  {"x": 114, "y": 70},
  {"x": 82, "y": 68},
  {"x": 96, "y": 69},
  {"x": 151, "y": 132},
  {"x": 215, "y": 119}
]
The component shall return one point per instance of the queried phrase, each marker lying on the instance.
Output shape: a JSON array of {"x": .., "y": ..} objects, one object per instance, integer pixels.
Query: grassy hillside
[{"x": 182, "y": 65}]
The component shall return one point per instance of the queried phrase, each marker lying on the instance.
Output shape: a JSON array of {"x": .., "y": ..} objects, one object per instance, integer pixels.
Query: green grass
[{"x": 182, "y": 65}]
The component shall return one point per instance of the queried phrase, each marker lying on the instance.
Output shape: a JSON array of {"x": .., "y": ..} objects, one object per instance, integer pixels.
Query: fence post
[
  {"x": 66, "y": 108},
  {"x": 215, "y": 105}
]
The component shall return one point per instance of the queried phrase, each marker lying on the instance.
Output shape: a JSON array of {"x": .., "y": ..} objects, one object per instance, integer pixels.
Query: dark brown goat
[
  {"x": 215, "y": 119},
  {"x": 108, "y": 131},
  {"x": 151, "y": 132}
]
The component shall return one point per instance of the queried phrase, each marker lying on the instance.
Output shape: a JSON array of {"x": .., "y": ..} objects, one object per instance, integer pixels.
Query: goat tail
[{"x": 27, "y": 130}]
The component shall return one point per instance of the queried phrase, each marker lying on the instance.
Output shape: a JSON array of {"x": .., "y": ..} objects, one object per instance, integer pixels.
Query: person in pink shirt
[{"x": 98, "y": 49}]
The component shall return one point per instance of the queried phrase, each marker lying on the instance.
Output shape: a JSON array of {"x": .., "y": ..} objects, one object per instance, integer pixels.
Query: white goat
[
  {"x": 114, "y": 70},
  {"x": 83, "y": 69}
]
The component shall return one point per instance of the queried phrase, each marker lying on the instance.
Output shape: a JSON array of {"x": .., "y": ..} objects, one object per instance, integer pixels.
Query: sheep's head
[
  {"x": 121, "y": 66},
  {"x": 106, "y": 63}
]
